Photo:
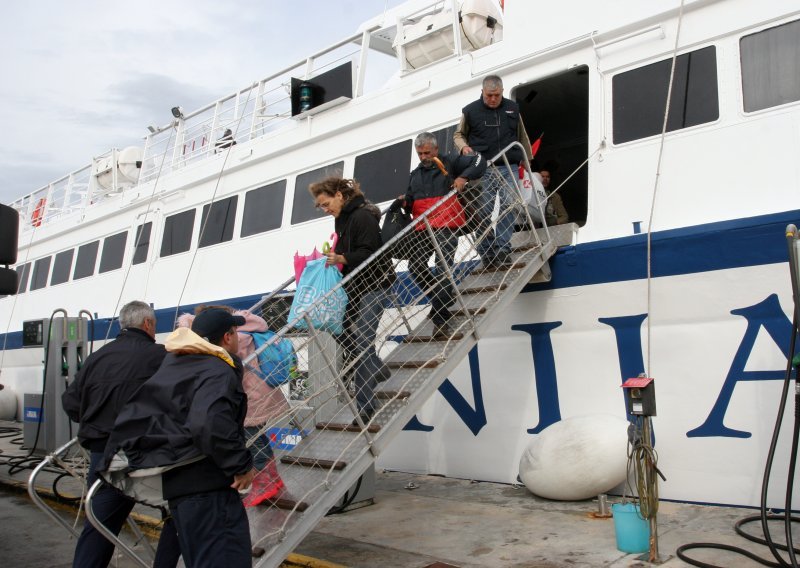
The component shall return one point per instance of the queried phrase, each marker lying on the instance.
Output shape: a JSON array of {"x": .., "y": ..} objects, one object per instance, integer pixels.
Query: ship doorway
[{"x": 557, "y": 108}]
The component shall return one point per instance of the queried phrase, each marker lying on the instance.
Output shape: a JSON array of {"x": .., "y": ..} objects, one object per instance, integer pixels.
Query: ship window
[
  {"x": 113, "y": 251},
  {"x": 87, "y": 256},
  {"x": 263, "y": 208},
  {"x": 23, "y": 271},
  {"x": 142, "y": 243},
  {"x": 62, "y": 266},
  {"x": 303, "y": 205},
  {"x": 41, "y": 268},
  {"x": 177, "y": 233},
  {"x": 444, "y": 136},
  {"x": 770, "y": 60},
  {"x": 217, "y": 226},
  {"x": 640, "y": 96},
  {"x": 383, "y": 174}
]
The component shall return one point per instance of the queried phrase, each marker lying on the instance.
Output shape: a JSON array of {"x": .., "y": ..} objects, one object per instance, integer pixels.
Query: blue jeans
[
  {"x": 260, "y": 449},
  {"x": 212, "y": 529},
  {"x": 112, "y": 508},
  {"x": 360, "y": 329},
  {"x": 492, "y": 244}
]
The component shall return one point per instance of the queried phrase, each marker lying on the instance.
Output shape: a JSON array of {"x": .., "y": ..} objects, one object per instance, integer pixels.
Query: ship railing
[{"x": 252, "y": 112}]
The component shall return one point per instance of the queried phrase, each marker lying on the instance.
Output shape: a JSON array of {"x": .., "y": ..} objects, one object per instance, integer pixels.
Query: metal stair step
[
  {"x": 412, "y": 364},
  {"x": 348, "y": 427},
  {"x": 389, "y": 394},
  {"x": 308, "y": 462}
]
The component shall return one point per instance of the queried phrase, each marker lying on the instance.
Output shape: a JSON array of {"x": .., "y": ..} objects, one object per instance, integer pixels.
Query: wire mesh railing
[{"x": 341, "y": 397}]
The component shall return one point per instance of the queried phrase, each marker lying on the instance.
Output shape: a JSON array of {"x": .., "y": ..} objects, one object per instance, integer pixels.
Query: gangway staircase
[{"x": 337, "y": 446}]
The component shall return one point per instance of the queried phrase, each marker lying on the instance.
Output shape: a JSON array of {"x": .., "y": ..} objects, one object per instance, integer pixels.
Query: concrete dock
[{"x": 416, "y": 522}]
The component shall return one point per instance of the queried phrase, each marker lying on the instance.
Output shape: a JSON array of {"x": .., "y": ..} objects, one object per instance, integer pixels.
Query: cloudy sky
[{"x": 81, "y": 77}]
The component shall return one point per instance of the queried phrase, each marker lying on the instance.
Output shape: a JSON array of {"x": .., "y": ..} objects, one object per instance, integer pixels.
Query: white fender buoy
[
  {"x": 576, "y": 458},
  {"x": 8, "y": 404}
]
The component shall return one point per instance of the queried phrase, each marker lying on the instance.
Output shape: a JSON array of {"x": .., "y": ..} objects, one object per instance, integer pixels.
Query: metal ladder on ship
[{"x": 334, "y": 452}]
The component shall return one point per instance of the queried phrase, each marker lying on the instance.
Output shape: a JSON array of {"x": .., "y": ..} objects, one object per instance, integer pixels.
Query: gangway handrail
[
  {"x": 108, "y": 534},
  {"x": 53, "y": 458},
  {"x": 34, "y": 495}
]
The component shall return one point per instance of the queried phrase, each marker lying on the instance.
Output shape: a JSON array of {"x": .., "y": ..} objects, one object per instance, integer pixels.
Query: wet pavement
[{"x": 417, "y": 521}]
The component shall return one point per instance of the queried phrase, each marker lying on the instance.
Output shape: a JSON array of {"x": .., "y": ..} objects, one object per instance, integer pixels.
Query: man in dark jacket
[
  {"x": 487, "y": 126},
  {"x": 431, "y": 180},
  {"x": 189, "y": 419},
  {"x": 99, "y": 392}
]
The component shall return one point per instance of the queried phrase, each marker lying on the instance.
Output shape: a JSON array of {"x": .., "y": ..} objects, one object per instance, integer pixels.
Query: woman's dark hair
[{"x": 349, "y": 188}]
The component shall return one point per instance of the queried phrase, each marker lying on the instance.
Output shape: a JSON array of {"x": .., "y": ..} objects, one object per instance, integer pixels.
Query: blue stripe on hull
[
  {"x": 714, "y": 246},
  {"x": 751, "y": 241}
]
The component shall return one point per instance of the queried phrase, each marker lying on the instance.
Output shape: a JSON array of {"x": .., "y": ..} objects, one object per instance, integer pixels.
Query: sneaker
[
  {"x": 441, "y": 329},
  {"x": 502, "y": 258},
  {"x": 365, "y": 415},
  {"x": 383, "y": 373},
  {"x": 265, "y": 487}
]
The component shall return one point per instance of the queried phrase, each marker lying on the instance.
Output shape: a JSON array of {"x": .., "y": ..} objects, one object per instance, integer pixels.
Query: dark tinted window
[
  {"x": 444, "y": 137},
  {"x": 640, "y": 96},
  {"x": 41, "y": 268},
  {"x": 303, "y": 205},
  {"x": 24, "y": 271},
  {"x": 263, "y": 208},
  {"x": 383, "y": 174},
  {"x": 62, "y": 266},
  {"x": 113, "y": 252},
  {"x": 87, "y": 256},
  {"x": 177, "y": 233},
  {"x": 142, "y": 243},
  {"x": 217, "y": 226},
  {"x": 770, "y": 63}
]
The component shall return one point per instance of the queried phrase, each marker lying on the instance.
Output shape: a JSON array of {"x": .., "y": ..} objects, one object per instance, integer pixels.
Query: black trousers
[
  {"x": 212, "y": 529},
  {"x": 112, "y": 509},
  {"x": 435, "y": 279}
]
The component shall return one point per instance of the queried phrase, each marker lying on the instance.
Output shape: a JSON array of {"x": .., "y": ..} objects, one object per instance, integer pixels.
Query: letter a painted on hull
[{"x": 769, "y": 315}]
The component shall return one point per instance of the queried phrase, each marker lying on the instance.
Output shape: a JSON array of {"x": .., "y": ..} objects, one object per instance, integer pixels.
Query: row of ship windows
[
  {"x": 769, "y": 61},
  {"x": 639, "y": 97},
  {"x": 384, "y": 172}
]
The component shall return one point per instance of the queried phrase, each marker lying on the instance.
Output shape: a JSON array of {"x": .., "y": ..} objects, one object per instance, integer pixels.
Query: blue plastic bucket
[{"x": 633, "y": 532}]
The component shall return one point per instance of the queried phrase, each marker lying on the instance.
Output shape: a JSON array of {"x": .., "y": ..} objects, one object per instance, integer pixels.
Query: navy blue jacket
[{"x": 105, "y": 382}]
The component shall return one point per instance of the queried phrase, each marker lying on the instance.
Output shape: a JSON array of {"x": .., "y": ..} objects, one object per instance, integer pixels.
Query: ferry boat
[{"x": 705, "y": 309}]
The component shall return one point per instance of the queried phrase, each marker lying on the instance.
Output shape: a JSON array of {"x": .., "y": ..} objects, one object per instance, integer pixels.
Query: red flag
[{"x": 535, "y": 145}]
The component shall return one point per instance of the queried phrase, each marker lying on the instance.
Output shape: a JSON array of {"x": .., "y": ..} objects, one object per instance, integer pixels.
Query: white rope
[
  {"x": 655, "y": 190},
  {"x": 136, "y": 243},
  {"x": 211, "y": 203}
]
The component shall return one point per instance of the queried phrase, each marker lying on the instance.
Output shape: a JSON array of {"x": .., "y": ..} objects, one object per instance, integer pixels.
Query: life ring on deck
[{"x": 38, "y": 212}]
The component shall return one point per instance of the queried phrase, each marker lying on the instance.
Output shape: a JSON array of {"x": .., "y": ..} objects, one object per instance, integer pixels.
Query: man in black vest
[{"x": 487, "y": 126}]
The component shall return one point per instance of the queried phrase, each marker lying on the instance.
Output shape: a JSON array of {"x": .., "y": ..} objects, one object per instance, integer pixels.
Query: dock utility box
[{"x": 428, "y": 38}]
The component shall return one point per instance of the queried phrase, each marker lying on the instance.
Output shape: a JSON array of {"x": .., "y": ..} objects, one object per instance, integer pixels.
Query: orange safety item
[{"x": 38, "y": 212}]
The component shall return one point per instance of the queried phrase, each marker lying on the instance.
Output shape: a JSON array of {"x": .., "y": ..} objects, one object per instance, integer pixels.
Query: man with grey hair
[
  {"x": 428, "y": 183},
  {"x": 487, "y": 126},
  {"x": 105, "y": 382}
]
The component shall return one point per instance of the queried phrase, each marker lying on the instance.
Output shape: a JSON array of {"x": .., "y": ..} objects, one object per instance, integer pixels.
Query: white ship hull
[{"x": 720, "y": 301}]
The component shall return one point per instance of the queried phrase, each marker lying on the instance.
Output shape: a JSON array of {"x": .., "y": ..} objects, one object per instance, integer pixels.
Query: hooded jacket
[
  {"x": 193, "y": 408},
  {"x": 107, "y": 379},
  {"x": 264, "y": 403}
]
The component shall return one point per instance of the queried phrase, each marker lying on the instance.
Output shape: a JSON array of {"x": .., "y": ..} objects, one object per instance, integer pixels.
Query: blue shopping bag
[
  {"x": 275, "y": 361},
  {"x": 316, "y": 281}
]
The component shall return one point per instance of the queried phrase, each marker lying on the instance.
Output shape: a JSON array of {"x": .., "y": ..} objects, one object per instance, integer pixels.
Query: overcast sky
[{"x": 80, "y": 77}]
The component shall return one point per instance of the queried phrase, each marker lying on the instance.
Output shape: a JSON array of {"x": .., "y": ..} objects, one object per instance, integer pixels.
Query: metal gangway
[{"x": 335, "y": 445}]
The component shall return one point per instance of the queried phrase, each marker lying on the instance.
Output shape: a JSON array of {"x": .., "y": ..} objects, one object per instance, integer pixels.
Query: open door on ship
[{"x": 557, "y": 109}]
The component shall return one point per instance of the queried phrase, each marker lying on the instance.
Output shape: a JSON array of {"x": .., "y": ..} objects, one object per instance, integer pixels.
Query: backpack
[{"x": 276, "y": 361}]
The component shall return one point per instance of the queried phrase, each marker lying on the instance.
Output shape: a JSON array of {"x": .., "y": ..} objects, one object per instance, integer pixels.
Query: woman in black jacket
[{"x": 359, "y": 236}]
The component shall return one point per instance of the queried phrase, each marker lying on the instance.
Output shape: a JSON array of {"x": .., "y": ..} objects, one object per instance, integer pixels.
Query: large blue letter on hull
[{"x": 769, "y": 315}]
